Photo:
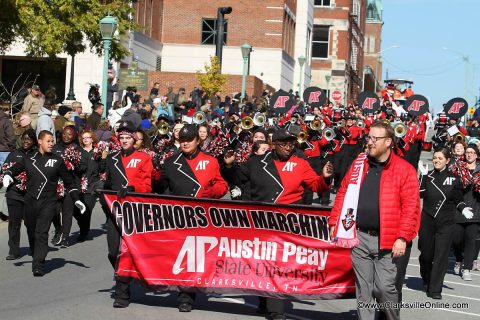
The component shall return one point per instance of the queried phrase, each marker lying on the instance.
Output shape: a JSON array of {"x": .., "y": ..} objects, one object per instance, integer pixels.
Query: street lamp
[
  {"x": 378, "y": 60},
  {"x": 221, "y": 12},
  {"x": 246, "y": 49},
  {"x": 466, "y": 59},
  {"x": 301, "y": 62},
  {"x": 327, "y": 78},
  {"x": 108, "y": 25}
]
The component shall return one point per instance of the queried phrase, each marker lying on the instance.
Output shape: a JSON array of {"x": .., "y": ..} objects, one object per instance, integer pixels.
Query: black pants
[
  {"x": 344, "y": 159},
  {"x": 122, "y": 285},
  {"x": 38, "y": 217},
  {"x": 413, "y": 154},
  {"x": 84, "y": 219},
  {"x": 464, "y": 238},
  {"x": 15, "y": 217},
  {"x": 434, "y": 244},
  {"x": 274, "y": 306}
]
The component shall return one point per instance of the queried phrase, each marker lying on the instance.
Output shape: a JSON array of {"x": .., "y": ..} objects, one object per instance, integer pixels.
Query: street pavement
[{"x": 79, "y": 282}]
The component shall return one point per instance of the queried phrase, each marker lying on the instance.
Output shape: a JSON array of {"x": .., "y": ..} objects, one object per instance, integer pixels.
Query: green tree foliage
[
  {"x": 50, "y": 27},
  {"x": 212, "y": 80}
]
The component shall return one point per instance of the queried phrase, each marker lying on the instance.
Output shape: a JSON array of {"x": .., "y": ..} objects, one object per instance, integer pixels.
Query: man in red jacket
[{"x": 380, "y": 191}]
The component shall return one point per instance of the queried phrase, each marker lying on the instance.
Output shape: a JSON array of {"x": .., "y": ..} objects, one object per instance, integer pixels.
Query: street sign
[
  {"x": 336, "y": 95},
  {"x": 471, "y": 111}
]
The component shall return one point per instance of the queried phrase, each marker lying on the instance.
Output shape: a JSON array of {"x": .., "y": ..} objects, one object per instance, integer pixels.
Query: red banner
[{"x": 219, "y": 246}]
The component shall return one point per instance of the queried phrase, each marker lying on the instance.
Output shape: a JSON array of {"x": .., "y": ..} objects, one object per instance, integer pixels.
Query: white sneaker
[
  {"x": 457, "y": 267},
  {"x": 466, "y": 276}
]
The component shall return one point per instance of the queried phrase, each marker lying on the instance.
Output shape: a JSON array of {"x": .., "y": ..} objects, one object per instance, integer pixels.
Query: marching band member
[
  {"x": 126, "y": 170},
  {"x": 43, "y": 170},
  {"x": 442, "y": 194},
  {"x": 280, "y": 177},
  {"x": 191, "y": 173}
]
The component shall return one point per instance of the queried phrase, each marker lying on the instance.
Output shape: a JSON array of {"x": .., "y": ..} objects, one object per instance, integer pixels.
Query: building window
[
  {"x": 209, "y": 31},
  {"x": 322, "y": 3},
  {"x": 320, "y": 41}
]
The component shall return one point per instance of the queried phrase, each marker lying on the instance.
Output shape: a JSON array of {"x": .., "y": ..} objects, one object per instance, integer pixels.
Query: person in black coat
[
  {"x": 68, "y": 149},
  {"x": 442, "y": 194},
  {"x": 94, "y": 160},
  {"x": 43, "y": 170},
  {"x": 466, "y": 229},
  {"x": 16, "y": 192}
]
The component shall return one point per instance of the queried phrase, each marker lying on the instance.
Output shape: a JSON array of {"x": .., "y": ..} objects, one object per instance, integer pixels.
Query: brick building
[
  {"x": 337, "y": 47},
  {"x": 372, "y": 70},
  {"x": 179, "y": 36}
]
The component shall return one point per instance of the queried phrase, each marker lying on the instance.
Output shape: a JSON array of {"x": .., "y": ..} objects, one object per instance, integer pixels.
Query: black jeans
[
  {"x": 464, "y": 238},
  {"x": 38, "y": 217},
  {"x": 15, "y": 217}
]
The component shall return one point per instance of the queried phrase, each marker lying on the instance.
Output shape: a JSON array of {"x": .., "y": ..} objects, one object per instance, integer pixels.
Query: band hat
[
  {"x": 188, "y": 132},
  {"x": 283, "y": 135}
]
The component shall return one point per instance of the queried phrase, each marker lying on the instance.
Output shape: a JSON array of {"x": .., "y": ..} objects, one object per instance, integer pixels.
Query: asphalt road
[{"x": 79, "y": 282}]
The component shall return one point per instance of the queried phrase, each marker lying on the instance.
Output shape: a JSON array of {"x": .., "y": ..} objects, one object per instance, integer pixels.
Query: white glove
[
  {"x": 423, "y": 169},
  {"x": 467, "y": 213},
  {"x": 7, "y": 180},
  {"x": 79, "y": 204},
  {"x": 236, "y": 192}
]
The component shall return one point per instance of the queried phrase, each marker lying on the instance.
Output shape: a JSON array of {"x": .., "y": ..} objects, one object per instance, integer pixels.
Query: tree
[
  {"x": 50, "y": 27},
  {"x": 212, "y": 80}
]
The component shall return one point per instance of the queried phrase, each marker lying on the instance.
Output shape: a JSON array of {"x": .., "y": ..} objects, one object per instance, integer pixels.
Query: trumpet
[
  {"x": 399, "y": 129},
  {"x": 360, "y": 123},
  {"x": 163, "y": 128},
  {"x": 247, "y": 123},
  {"x": 329, "y": 134},
  {"x": 317, "y": 125},
  {"x": 302, "y": 136},
  {"x": 259, "y": 119},
  {"x": 199, "y": 117}
]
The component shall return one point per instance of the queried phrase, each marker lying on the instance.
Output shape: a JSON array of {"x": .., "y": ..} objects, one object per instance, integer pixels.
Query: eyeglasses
[
  {"x": 470, "y": 152},
  {"x": 286, "y": 145},
  {"x": 374, "y": 139}
]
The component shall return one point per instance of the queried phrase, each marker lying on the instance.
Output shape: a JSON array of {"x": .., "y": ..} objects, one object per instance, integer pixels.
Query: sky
[{"x": 422, "y": 29}]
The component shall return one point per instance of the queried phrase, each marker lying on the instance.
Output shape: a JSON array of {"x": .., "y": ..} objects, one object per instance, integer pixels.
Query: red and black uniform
[
  {"x": 197, "y": 175},
  {"x": 132, "y": 170},
  {"x": 266, "y": 178}
]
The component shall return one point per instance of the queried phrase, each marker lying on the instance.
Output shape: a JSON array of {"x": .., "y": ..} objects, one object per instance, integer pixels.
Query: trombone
[
  {"x": 399, "y": 129},
  {"x": 302, "y": 137},
  {"x": 317, "y": 125},
  {"x": 329, "y": 134},
  {"x": 247, "y": 123},
  {"x": 259, "y": 119},
  {"x": 163, "y": 128},
  {"x": 199, "y": 117},
  {"x": 459, "y": 137}
]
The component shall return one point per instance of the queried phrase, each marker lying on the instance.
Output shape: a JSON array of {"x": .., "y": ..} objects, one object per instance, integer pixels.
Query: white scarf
[{"x": 345, "y": 230}]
